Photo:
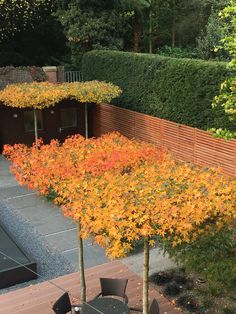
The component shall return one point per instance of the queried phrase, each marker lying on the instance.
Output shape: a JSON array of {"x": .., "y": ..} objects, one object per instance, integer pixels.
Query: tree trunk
[
  {"x": 173, "y": 25},
  {"x": 81, "y": 267},
  {"x": 136, "y": 33},
  {"x": 35, "y": 125},
  {"x": 150, "y": 30},
  {"x": 86, "y": 119},
  {"x": 145, "y": 276}
]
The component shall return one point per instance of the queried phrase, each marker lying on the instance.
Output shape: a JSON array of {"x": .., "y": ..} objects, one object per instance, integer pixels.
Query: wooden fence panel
[{"x": 184, "y": 142}]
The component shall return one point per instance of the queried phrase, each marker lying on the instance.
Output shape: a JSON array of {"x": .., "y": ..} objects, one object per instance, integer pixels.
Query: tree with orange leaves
[
  {"x": 121, "y": 191},
  {"x": 60, "y": 168},
  {"x": 151, "y": 198}
]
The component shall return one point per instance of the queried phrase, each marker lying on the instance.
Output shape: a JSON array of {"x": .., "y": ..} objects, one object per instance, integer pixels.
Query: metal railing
[{"x": 73, "y": 76}]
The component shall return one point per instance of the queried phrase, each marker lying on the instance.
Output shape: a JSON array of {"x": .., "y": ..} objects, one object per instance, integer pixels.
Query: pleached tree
[{"x": 121, "y": 191}]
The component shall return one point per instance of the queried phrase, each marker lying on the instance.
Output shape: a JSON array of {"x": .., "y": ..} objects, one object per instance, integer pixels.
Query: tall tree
[
  {"x": 227, "y": 96},
  {"x": 18, "y": 15},
  {"x": 24, "y": 33},
  {"x": 139, "y": 12},
  {"x": 212, "y": 34},
  {"x": 90, "y": 24}
]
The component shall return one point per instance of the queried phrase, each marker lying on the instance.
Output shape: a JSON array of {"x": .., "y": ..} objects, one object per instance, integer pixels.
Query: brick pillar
[
  {"x": 51, "y": 73},
  {"x": 60, "y": 74}
]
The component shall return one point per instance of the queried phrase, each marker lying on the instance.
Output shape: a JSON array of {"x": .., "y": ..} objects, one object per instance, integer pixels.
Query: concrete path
[{"x": 58, "y": 232}]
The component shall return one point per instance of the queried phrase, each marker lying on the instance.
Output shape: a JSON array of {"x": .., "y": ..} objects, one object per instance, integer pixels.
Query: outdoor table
[{"x": 106, "y": 306}]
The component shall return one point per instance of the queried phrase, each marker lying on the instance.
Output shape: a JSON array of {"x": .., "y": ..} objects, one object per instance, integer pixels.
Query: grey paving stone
[
  {"x": 54, "y": 225},
  {"x": 158, "y": 262},
  {"x": 39, "y": 214},
  {"x": 94, "y": 255},
  {"x": 72, "y": 256},
  {"x": 13, "y": 191},
  {"x": 8, "y": 181},
  {"x": 26, "y": 201},
  {"x": 64, "y": 240}
]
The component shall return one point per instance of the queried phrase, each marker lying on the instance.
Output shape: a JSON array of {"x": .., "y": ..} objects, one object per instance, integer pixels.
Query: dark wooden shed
[{"x": 65, "y": 119}]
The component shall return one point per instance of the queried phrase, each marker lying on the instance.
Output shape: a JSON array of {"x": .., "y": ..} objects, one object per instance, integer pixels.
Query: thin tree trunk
[
  {"x": 145, "y": 276},
  {"x": 150, "y": 29},
  {"x": 173, "y": 26},
  {"x": 86, "y": 119},
  {"x": 81, "y": 266},
  {"x": 35, "y": 125},
  {"x": 173, "y": 37},
  {"x": 136, "y": 33}
]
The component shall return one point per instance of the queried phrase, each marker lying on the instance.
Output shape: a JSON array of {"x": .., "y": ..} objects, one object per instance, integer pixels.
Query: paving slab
[
  {"x": 63, "y": 240},
  {"x": 7, "y": 192},
  {"x": 28, "y": 200},
  {"x": 158, "y": 262},
  {"x": 50, "y": 226}
]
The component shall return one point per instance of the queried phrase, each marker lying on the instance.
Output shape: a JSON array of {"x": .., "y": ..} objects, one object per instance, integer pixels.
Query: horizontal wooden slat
[{"x": 185, "y": 143}]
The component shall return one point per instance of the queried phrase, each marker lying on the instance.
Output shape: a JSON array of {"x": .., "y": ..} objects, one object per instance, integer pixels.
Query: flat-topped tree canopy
[
  {"x": 121, "y": 191},
  {"x": 39, "y": 95}
]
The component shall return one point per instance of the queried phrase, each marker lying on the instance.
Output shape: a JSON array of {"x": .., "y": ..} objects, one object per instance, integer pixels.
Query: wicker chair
[
  {"x": 63, "y": 305},
  {"x": 113, "y": 287},
  {"x": 153, "y": 308}
]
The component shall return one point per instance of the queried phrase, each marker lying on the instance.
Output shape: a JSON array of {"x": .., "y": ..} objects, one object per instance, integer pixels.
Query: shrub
[
  {"x": 213, "y": 256},
  {"x": 179, "y": 90}
]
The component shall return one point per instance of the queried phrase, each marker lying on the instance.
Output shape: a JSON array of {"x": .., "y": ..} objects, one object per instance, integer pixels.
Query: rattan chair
[
  {"x": 63, "y": 305},
  {"x": 153, "y": 308},
  {"x": 113, "y": 287}
]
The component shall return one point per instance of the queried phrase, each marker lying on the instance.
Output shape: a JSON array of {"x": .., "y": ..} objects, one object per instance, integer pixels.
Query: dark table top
[{"x": 106, "y": 306}]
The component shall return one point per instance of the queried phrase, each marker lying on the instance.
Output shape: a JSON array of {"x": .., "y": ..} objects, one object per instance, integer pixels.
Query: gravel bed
[{"x": 50, "y": 262}]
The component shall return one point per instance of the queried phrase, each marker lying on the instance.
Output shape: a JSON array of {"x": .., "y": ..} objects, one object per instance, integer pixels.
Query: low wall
[
  {"x": 10, "y": 75},
  {"x": 185, "y": 143}
]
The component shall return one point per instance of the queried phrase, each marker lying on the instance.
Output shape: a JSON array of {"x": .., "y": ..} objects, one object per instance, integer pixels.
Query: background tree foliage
[
  {"x": 182, "y": 28},
  {"x": 90, "y": 24},
  {"x": 227, "y": 97},
  {"x": 30, "y": 34}
]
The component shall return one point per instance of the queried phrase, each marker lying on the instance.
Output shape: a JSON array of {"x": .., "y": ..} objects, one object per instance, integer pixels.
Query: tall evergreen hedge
[{"x": 179, "y": 90}]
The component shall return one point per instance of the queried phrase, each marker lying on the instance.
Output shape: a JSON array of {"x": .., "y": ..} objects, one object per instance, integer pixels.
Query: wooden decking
[{"x": 38, "y": 299}]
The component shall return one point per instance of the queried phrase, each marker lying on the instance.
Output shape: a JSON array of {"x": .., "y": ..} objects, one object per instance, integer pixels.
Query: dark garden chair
[
  {"x": 153, "y": 308},
  {"x": 63, "y": 305},
  {"x": 113, "y": 287}
]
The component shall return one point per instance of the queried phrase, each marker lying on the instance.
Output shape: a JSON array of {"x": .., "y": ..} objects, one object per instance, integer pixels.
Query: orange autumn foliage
[
  {"x": 41, "y": 167},
  {"x": 41, "y": 95},
  {"x": 122, "y": 190}
]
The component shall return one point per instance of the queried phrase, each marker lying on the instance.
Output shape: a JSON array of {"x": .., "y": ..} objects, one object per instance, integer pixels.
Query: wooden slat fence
[{"x": 185, "y": 143}]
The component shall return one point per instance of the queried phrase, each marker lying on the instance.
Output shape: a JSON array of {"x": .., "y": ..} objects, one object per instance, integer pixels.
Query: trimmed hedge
[{"x": 180, "y": 90}]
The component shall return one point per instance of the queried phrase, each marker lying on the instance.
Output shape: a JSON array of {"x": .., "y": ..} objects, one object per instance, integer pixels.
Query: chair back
[
  {"x": 154, "y": 307},
  {"x": 114, "y": 287},
  {"x": 62, "y": 305}
]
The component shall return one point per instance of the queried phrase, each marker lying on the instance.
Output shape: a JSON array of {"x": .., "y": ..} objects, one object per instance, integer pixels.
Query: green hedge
[{"x": 179, "y": 90}]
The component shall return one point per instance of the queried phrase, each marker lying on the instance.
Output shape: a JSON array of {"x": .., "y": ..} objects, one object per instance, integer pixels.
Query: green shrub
[
  {"x": 179, "y": 90},
  {"x": 212, "y": 256}
]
